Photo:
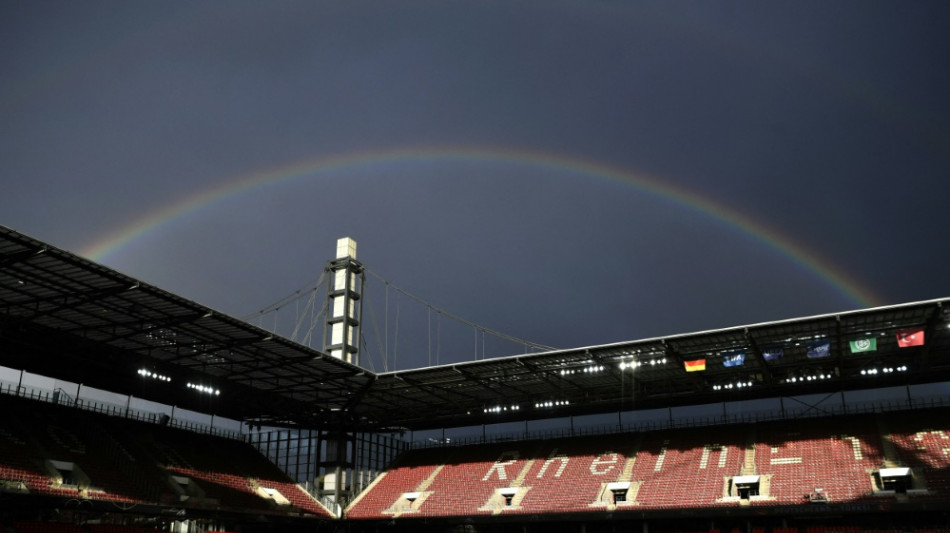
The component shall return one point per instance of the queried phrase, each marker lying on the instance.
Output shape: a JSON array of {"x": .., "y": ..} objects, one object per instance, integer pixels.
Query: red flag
[{"x": 910, "y": 337}]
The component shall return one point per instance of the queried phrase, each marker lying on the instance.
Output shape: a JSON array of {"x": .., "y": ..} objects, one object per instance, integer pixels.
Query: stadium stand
[
  {"x": 688, "y": 466},
  {"x": 922, "y": 444},
  {"x": 124, "y": 470},
  {"x": 885, "y": 459},
  {"x": 822, "y": 460},
  {"x": 67, "y": 453},
  {"x": 827, "y": 461}
]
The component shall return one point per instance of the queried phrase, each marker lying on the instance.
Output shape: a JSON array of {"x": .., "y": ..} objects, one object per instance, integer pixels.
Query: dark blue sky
[{"x": 823, "y": 129}]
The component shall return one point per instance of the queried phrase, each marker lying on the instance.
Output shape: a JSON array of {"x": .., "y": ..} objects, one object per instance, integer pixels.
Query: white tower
[
  {"x": 345, "y": 285},
  {"x": 341, "y": 340}
]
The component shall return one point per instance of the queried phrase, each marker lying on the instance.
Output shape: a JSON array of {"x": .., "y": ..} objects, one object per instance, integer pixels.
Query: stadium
[{"x": 831, "y": 423}]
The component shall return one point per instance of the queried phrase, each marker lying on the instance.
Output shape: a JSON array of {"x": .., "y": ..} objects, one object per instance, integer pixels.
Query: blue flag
[
  {"x": 818, "y": 350},
  {"x": 773, "y": 353},
  {"x": 733, "y": 359}
]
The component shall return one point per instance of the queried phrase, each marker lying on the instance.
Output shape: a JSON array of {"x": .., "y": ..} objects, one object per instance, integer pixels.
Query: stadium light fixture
[
  {"x": 885, "y": 370},
  {"x": 635, "y": 364},
  {"x": 551, "y": 404},
  {"x": 586, "y": 370},
  {"x": 501, "y": 408},
  {"x": 733, "y": 385},
  {"x": 146, "y": 373},
  {"x": 205, "y": 389},
  {"x": 808, "y": 377}
]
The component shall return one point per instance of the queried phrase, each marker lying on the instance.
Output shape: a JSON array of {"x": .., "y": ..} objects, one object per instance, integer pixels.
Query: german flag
[{"x": 695, "y": 365}]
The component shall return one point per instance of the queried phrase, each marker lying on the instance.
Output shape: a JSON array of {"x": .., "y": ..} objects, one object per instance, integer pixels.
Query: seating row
[
  {"x": 56, "y": 451},
  {"x": 880, "y": 458}
]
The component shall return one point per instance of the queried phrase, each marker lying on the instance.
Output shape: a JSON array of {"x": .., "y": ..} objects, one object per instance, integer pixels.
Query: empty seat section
[
  {"x": 568, "y": 474},
  {"x": 76, "y": 441},
  {"x": 921, "y": 441},
  {"x": 668, "y": 469},
  {"x": 19, "y": 461},
  {"x": 132, "y": 462},
  {"x": 466, "y": 484},
  {"x": 834, "y": 455},
  {"x": 673, "y": 469},
  {"x": 688, "y": 468},
  {"x": 404, "y": 476},
  {"x": 228, "y": 472}
]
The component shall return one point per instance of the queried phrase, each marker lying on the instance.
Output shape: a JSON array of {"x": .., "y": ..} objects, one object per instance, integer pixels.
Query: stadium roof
[{"x": 72, "y": 319}]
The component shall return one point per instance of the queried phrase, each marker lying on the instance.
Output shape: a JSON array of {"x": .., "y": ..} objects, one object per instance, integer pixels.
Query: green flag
[{"x": 868, "y": 344}]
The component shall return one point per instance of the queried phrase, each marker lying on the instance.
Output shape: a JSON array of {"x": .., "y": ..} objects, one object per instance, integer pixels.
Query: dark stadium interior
[{"x": 71, "y": 465}]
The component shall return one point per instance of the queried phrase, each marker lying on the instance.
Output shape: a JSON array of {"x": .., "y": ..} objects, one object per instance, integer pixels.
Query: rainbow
[{"x": 680, "y": 196}]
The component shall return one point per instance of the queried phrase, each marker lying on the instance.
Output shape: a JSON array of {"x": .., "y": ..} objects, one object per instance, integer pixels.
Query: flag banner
[
  {"x": 868, "y": 344},
  {"x": 773, "y": 353},
  {"x": 819, "y": 350},
  {"x": 733, "y": 359},
  {"x": 695, "y": 366},
  {"x": 910, "y": 337}
]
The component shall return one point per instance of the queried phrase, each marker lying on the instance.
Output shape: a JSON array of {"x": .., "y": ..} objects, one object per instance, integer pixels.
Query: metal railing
[{"x": 60, "y": 397}]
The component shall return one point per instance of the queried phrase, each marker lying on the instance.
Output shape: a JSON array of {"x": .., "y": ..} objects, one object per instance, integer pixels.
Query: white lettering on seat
[
  {"x": 723, "y": 452},
  {"x": 659, "y": 460},
  {"x": 551, "y": 458},
  {"x": 784, "y": 460},
  {"x": 855, "y": 447},
  {"x": 611, "y": 460},
  {"x": 500, "y": 465},
  {"x": 920, "y": 437}
]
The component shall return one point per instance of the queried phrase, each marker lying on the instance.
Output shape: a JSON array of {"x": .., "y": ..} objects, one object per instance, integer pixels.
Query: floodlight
[{"x": 145, "y": 373}]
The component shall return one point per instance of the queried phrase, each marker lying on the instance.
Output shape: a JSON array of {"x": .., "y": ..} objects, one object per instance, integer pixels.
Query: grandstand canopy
[{"x": 72, "y": 319}]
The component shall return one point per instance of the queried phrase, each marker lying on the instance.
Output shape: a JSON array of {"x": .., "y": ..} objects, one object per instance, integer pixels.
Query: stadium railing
[
  {"x": 60, "y": 397},
  {"x": 881, "y": 406}
]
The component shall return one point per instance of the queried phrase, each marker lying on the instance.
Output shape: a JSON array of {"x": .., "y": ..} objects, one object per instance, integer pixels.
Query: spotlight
[{"x": 145, "y": 373}]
